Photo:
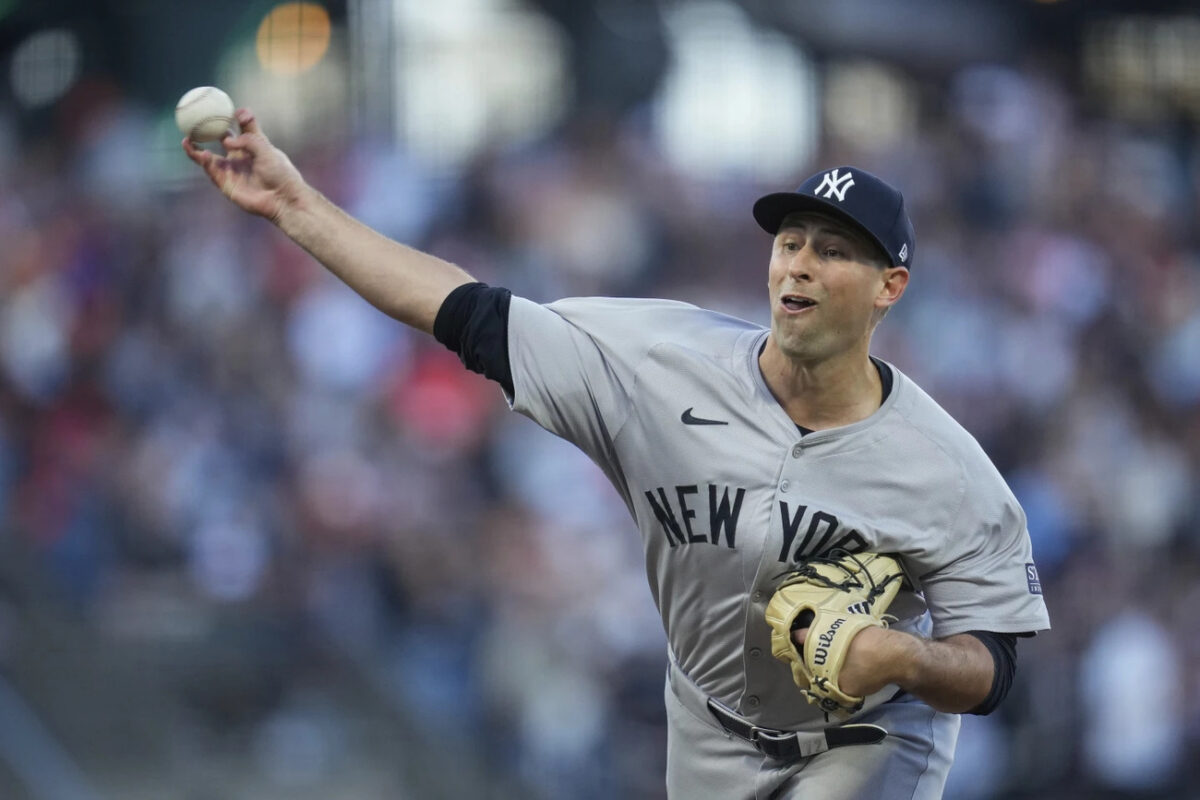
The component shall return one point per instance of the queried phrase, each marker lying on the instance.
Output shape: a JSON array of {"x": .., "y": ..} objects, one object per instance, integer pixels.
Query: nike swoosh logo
[{"x": 688, "y": 419}]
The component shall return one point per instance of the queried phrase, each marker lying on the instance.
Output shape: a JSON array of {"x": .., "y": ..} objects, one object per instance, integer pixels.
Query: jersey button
[
  {"x": 758, "y": 596},
  {"x": 797, "y": 450},
  {"x": 783, "y": 486},
  {"x": 755, "y": 652},
  {"x": 752, "y": 701}
]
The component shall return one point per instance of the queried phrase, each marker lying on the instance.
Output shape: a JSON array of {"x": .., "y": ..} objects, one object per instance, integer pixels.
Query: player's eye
[{"x": 833, "y": 252}]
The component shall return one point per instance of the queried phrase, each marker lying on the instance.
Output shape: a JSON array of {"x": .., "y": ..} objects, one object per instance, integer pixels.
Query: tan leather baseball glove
[{"x": 835, "y": 597}]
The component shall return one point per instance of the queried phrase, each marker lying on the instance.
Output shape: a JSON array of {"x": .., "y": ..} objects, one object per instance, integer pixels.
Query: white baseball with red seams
[{"x": 204, "y": 114}]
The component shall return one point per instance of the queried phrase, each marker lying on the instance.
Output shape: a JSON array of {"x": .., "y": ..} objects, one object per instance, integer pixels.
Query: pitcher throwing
[{"x": 748, "y": 457}]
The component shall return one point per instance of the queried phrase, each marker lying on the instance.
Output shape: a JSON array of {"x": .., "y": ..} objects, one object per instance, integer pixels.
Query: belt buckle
[{"x": 773, "y": 743}]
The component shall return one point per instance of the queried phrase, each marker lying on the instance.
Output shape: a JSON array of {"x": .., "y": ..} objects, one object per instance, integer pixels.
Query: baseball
[{"x": 204, "y": 114}]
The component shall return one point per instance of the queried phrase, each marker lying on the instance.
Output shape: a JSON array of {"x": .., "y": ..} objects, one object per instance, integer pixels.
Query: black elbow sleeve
[
  {"x": 1003, "y": 647},
  {"x": 473, "y": 322}
]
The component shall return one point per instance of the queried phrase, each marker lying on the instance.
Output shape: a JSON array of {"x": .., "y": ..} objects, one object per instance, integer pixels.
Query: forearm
[
  {"x": 953, "y": 674},
  {"x": 400, "y": 281}
]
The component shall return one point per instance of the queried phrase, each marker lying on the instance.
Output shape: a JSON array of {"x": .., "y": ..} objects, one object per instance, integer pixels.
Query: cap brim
[{"x": 771, "y": 210}]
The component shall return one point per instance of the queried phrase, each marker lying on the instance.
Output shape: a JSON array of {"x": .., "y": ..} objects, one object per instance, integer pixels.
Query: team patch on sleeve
[{"x": 1031, "y": 575}]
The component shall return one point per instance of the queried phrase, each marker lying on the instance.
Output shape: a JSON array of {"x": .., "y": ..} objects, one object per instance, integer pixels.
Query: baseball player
[{"x": 744, "y": 455}]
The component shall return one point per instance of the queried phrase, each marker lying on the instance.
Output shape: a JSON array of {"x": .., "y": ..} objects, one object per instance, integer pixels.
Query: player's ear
[{"x": 895, "y": 281}]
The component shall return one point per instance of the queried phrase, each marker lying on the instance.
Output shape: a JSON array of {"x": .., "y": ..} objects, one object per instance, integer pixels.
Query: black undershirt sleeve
[
  {"x": 473, "y": 322},
  {"x": 1003, "y": 647}
]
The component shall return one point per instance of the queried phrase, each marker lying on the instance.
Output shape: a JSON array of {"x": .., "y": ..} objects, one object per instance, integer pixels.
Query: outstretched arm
[{"x": 258, "y": 177}]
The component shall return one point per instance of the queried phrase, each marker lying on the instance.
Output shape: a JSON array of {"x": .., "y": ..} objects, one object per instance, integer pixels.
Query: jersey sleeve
[
  {"x": 573, "y": 364},
  {"x": 576, "y": 363},
  {"x": 986, "y": 578}
]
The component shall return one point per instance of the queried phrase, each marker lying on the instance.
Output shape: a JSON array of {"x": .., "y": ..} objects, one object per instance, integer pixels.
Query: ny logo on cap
[{"x": 834, "y": 185}]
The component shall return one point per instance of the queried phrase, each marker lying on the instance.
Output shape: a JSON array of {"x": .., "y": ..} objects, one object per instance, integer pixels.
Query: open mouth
[{"x": 795, "y": 302}]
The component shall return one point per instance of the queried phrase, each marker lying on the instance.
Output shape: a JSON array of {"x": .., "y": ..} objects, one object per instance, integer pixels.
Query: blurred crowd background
[{"x": 259, "y": 541}]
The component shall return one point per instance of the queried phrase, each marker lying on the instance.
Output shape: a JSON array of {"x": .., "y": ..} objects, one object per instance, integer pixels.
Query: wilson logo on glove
[
  {"x": 842, "y": 594},
  {"x": 825, "y": 640}
]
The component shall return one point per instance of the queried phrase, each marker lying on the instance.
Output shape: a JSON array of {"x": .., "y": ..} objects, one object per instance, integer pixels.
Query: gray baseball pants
[{"x": 704, "y": 761}]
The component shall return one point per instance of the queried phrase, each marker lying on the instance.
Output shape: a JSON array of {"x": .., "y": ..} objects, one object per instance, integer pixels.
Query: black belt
[{"x": 790, "y": 745}]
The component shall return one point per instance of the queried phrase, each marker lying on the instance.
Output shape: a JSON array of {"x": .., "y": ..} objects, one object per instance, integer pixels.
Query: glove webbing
[{"x": 808, "y": 572}]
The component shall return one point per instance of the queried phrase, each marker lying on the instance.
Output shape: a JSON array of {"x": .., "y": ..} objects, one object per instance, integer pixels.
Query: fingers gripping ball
[
  {"x": 835, "y": 597},
  {"x": 204, "y": 114}
]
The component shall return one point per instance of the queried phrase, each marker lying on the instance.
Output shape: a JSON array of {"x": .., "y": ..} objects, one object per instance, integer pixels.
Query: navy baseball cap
[{"x": 853, "y": 195}]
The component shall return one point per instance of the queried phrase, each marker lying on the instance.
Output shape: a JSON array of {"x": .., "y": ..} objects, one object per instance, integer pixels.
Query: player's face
[{"x": 826, "y": 287}]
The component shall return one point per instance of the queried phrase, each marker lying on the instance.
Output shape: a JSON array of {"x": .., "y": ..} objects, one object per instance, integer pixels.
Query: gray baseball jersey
[{"x": 669, "y": 401}]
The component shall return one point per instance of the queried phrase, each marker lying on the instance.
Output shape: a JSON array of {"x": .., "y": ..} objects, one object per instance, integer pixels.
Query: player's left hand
[
  {"x": 868, "y": 666},
  {"x": 836, "y": 597}
]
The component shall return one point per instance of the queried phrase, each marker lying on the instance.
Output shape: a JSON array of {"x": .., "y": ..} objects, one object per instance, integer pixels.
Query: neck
[{"x": 828, "y": 393}]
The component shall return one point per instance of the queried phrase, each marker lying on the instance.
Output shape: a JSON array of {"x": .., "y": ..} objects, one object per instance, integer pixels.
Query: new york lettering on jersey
[{"x": 823, "y": 531}]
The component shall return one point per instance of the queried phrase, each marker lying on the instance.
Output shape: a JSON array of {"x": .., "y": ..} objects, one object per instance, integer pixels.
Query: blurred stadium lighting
[
  {"x": 44, "y": 66},
  {"x": 292, "y": 38},
  {"x": 920, "y": 34},
  {"x": 467, "y": 75},
  {"x": 737, "y": 100},
  {"x": 1143, "y": 65},
  {"x": 303, "y": 105},
  {"x": 869, "y": 104}
]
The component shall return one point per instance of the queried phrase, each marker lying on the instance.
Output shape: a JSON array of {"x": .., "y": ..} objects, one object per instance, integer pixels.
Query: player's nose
[{"x": 800, "y": 266}]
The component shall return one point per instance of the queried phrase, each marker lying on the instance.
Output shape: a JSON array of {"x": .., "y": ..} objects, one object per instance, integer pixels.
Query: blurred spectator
[
  {"x": 207, "y": 443},
  {"x": 1133, "y": 730}
]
